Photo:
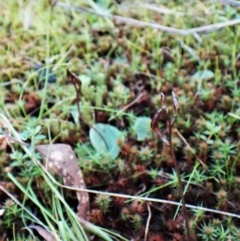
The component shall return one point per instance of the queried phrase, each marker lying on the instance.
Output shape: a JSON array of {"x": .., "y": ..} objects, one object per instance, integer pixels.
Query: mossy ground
[{"x": 116, "y": 63}]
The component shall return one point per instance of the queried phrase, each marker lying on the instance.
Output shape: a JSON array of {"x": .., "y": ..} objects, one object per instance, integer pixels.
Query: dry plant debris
[
  {"x": 48, "y": 236},
  {"x": 61, "y": 160}
]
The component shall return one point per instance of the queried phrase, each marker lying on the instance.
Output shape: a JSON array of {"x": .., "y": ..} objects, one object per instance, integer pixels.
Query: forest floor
[{"x": 91, "y": 76}]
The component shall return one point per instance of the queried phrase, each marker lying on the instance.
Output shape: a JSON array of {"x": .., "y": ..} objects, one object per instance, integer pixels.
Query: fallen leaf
[
  {"x": 48, "y": 236},
  {"x": 61, "y": 160}
]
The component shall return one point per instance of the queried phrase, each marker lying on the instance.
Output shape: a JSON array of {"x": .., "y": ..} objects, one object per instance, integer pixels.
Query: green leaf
[
  {"x": 237, "y": 117},
  {"x": 25, "y": 135},
  {"x": 75, "y": 114},
  {"x": 109, "y": 135},
  {"x": 37, "y": 129},
  {"x": 39, "y": 137},
  {"x": 142, "y": 128},
  {"x": 189, "y": 50},
  {"x": 203, "y": 75},
  {"x": 103, "y": 4},
  {"x": 86, "y": 81}
]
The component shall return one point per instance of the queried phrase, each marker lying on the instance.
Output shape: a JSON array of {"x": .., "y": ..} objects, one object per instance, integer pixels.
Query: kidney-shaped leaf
[
  {"x": 142, "y": 128},
  {"x": 203, "y": 75},
  {"x": 104, "y": 139}
]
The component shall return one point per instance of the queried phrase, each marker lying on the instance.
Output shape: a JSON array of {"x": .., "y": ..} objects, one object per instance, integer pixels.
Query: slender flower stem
[
  {"x": 160, "y": 115},
  {"x": 180, "y": 187}
]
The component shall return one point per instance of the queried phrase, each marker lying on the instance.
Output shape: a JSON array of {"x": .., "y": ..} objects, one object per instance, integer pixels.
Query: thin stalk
[
  {"x": 164, "y": 114},
  {"x": 180, "y": 188},
  {"x": 45, "y": 89}
]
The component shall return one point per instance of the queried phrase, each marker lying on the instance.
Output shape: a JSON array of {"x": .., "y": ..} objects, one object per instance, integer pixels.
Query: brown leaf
[
  {"x": 48, "y": 236},
  {"x": 62, "y": 160}
]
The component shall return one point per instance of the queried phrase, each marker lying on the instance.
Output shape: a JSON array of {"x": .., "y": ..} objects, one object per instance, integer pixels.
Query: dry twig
[{"x": 139, "y": 23}]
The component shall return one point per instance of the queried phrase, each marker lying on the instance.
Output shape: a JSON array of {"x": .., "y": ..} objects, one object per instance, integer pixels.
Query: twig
[
  {"x": 160, "y": 9},
  {"x": 230, "y": 2},
  {"x": 136, "y": 100},
  {"x": 142, "y": 198},
  {"x": 139, "y": 23},
  {"x": 148, "y": 222},
  {"x": 183, "y": 139}
]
